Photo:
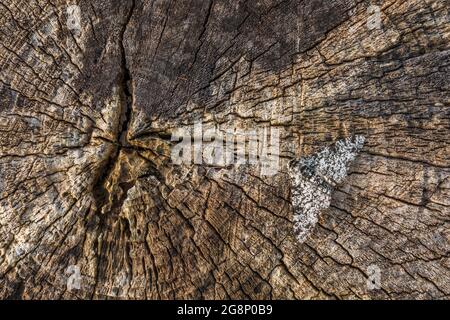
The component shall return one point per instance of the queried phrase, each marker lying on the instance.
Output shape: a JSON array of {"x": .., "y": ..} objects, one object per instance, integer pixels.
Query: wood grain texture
[{"x": 87, "y": 182}]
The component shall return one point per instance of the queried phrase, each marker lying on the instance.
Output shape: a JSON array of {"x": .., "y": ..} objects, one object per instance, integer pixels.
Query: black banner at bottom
[{"x": 221, "y": 309}]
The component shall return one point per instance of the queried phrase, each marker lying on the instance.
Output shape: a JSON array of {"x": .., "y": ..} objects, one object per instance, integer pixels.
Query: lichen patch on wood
[{"x": 313, "y": 179}]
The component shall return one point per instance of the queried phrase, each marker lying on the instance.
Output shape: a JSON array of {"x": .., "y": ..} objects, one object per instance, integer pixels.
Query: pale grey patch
[
  {"x": 74, "y": 279},
  {"x": 313, "y": 179}
]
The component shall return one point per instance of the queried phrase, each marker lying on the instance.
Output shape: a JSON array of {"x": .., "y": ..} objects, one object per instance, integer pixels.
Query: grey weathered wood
[{"x": 86, "y": 179}]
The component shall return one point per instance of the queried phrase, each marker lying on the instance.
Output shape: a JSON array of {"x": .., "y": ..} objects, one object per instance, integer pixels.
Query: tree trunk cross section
[{"x": 92, "y": 205}]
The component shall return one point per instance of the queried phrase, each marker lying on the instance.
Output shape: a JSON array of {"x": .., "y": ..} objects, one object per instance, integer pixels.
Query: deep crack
[
  {"x": 127, "y": 87},
  {"x": 101, "y": 194}
]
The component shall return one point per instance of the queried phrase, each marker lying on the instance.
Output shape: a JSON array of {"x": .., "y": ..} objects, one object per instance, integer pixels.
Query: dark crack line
[
  {"x": 127, "y": 86},
  {"x": 100, "y": 192}
]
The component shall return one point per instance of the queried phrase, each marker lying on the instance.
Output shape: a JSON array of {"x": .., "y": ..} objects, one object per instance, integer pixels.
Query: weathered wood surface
[{"x": 87, "y": 183}]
